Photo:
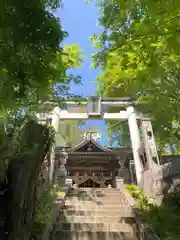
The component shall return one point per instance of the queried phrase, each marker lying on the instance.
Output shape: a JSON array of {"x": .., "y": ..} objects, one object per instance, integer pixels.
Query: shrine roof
[{"x": 87, "y": 145}]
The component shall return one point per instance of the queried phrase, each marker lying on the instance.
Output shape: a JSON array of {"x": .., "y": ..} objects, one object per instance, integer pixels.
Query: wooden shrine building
[{"x": 91, "y": 165}]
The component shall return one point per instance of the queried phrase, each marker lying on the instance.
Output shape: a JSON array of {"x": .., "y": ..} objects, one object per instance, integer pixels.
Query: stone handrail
[
  {"x": 144, "y": 230},
  {"x": 54, "y": 215}
]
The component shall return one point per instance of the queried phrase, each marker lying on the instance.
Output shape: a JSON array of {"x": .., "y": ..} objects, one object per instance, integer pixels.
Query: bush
[
  {"x": 43, "y": 209},
  {"x": 164, "y": 219}
]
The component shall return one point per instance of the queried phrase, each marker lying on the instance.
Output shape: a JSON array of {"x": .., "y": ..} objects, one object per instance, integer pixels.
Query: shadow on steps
[{"x": 103, "y": 222}]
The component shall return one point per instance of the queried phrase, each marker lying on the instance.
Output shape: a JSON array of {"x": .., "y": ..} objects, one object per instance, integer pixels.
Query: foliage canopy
[
  {"x": 139, "y": 55},
  {"x": 31, "y": 57},
  {"x": 33, "y": 65}
]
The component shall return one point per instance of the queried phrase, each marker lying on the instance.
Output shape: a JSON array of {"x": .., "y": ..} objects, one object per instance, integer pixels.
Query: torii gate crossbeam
[{"x": 65, "y": 115}]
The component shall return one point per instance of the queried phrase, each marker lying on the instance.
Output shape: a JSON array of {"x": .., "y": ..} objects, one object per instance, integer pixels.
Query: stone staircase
[{"x": 96, "y": 214}]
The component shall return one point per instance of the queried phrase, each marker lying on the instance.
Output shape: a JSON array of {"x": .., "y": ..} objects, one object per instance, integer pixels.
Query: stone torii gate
[{"x": 95, "y": 109}]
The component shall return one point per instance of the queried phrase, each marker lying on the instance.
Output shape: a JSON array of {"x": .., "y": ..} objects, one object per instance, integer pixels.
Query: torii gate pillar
[{"x": 135, "y": 141}]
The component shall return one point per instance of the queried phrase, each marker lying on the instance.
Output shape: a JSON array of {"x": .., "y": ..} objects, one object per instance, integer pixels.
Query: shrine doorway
[{"x": 89, "y": 183}]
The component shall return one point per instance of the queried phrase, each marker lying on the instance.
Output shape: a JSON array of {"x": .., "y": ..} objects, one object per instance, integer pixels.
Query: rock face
[{"x": 96, "y": 214}]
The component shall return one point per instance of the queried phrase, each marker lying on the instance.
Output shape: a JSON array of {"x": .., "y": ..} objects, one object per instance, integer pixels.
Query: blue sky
[{"x": 80, "y": 21}]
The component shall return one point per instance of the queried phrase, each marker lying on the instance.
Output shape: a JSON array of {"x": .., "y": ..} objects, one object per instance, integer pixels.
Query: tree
[
  {"x": 70, "y": 133},
  {"x": 118, "y": 134},
  {"x": 33, "y": 64},
  {"x": 139, "y": 56},
  {"x": 70, "y": 130},
  {"x": 33, "y": 68},
  {"x": 32, "y": 60}
]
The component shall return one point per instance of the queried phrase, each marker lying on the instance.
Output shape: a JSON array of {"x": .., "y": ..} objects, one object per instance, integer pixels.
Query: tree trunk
[{"x": 25, "y": 173}]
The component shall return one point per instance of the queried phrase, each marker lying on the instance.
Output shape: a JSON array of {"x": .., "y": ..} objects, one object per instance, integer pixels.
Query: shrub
[
  {"x": 43, "y": 209},
  {"x": 164, "y": 219}
]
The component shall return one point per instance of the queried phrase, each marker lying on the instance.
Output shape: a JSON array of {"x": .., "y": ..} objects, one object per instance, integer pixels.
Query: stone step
[
  {"x": 95, "y": 204},
  {"x": 91, "y": 207},
  {"x": 97, "y": 212},
  {"x": 94, "y": 192},
  {"x": 96, "y": 201},
  {"x": 104, "y": 200},
  {"x": 90, "y": 197},
  {"x": 100, "y": 191},
  {"x": 88, "y": 235},
  {"x": 96, "y": 219},
  {"x": 95, "y": 227}
]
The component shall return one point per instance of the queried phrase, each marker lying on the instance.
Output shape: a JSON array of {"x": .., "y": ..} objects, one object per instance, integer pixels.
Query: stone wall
[
  {"x": 157, "y": 182},
  {"x": 147, "y": 183}
]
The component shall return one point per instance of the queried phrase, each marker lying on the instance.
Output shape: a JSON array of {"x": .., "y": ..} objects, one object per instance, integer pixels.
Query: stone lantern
[
  {"x": 120, "y": 177},
  {"x": 61, "y": 172},
  {"x": 64, "y": 157}
]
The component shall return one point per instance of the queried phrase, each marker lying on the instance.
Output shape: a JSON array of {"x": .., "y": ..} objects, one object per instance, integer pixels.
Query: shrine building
[{"x": 89, "y": 164}]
